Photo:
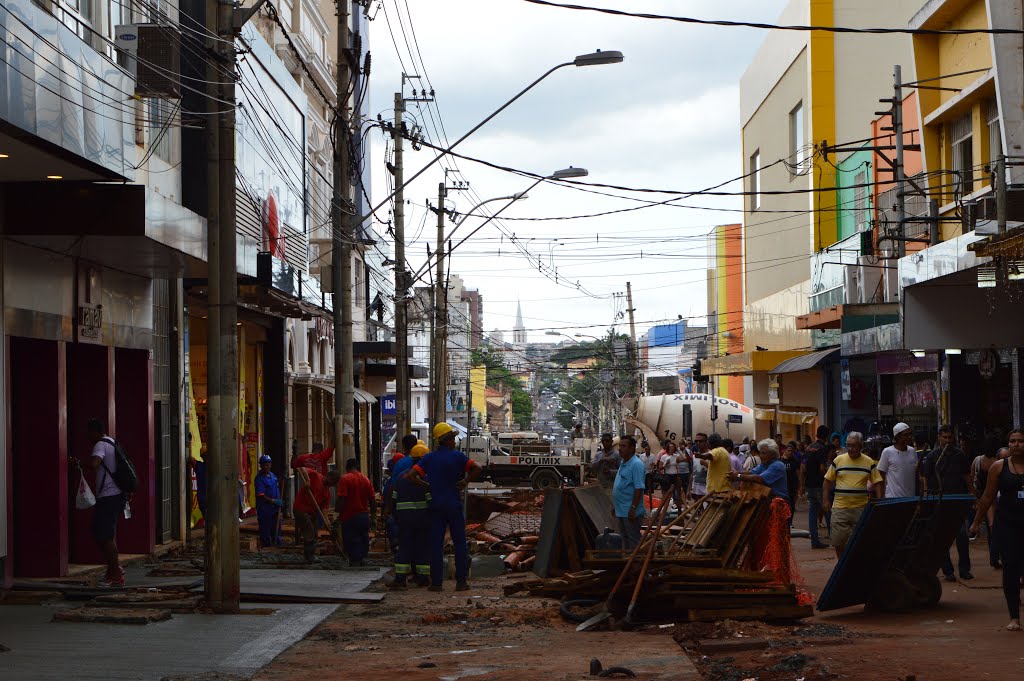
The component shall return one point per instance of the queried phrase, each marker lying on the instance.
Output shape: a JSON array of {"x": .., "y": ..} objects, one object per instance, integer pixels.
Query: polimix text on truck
[{"x": 522, "y": 458}]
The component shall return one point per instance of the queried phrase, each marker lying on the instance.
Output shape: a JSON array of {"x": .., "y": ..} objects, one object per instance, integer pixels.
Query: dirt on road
[{"x": 481, "y": 634}]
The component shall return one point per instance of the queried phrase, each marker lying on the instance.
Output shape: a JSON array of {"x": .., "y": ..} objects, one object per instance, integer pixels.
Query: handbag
[{"x": 85, "y": 498}]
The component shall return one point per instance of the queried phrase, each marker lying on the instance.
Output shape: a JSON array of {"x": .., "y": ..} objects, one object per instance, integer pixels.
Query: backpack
[{"x": 124, "y": 475}]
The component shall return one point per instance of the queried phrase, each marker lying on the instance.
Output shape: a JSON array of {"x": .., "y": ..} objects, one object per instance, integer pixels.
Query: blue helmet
[{"x": 265, "y": 459}]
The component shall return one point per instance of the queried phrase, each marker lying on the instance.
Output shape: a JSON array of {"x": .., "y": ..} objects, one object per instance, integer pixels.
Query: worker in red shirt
[
  {"x": 355, "y": 504},
  {"x": 311, "y": 501},
  {"x": 317, "y": 460}
]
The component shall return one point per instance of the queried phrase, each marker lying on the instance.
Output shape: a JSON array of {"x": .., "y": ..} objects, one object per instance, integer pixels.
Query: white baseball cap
[
  {"x": 899, "y": 428},
  {"x": 744, "y": 448}
]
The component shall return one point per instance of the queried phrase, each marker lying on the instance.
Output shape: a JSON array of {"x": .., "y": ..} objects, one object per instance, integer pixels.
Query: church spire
[{"x": 519, "y": 330}]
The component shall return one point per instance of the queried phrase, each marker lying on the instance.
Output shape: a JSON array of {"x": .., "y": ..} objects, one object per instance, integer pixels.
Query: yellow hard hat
[
  {"x": 418, "y": 450},
  {"x": 442, "y": 429},
  {"x": 421, "y": 442}
]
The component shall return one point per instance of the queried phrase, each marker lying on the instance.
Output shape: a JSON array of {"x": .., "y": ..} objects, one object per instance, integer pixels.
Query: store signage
[
  {"x": 844, "y": 379},
  {"x": 90, "y": 323},
  {"x": 388, "y": 405},
  {"x": 907, "y": 364}
]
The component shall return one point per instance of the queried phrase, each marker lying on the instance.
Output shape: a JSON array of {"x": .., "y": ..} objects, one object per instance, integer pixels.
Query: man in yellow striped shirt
[{"x": 849, "y": 474}]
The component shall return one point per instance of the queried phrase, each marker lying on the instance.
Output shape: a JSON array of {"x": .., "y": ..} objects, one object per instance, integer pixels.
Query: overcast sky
[{"x": 665, "y": 118}]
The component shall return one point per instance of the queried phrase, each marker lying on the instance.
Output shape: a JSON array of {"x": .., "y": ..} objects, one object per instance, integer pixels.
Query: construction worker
[
  {"x": 441, "y": 472},
  {"x": 268, "y": 504},
  {"x": 409, "y": 504},
  {"x": 390, "y": 520},
  {"x": 312, "y": 501}
]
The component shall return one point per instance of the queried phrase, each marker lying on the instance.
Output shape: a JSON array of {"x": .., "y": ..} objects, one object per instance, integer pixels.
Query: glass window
[
  {"x": 755, "y": 180},
  {"x": 797, "y": 147},
  {"x": 995, "y": 134},
  {"x": 860, "y": 201},
  {"x": 962, "y": 150},
  {"x": 314, "y": 37},
  {"x": 162, "y": 129}
]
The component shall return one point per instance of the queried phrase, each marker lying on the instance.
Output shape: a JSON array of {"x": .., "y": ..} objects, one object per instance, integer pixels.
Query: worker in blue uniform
[
  {"x": 268, "y": 504},
  {"x": 409, "y": 503},
  {"x": 446, "y": 472},
  {"x": 390, "y": 519}
]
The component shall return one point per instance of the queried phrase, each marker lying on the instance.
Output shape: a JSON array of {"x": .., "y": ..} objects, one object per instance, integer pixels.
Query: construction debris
[
  {"x": 707, "y": 564},
  {"x": 111, "y": 615}
]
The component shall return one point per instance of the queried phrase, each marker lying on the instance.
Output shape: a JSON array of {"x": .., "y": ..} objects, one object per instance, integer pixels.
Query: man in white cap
[{"x": 898, "y": 464}]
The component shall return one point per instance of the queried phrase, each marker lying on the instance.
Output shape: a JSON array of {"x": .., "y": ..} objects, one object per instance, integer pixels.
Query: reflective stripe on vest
[{"x": 410, "y": 505}]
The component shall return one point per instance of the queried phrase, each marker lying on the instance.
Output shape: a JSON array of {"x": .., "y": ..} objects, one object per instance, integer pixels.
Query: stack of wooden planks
[{"x": 700, "y": 566}]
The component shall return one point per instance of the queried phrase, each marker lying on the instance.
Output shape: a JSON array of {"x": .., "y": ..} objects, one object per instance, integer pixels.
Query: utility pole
[
  {"x": 342, "y": 238},
  {"x": 403, "y": 422},
  {"x": 897, "y": 124},
  {"x": 221, "y": 536},
  {"x": 635, "y": 360},
  {"x": 440, "y": 340},
  {"x": 1001, "y": 193}
]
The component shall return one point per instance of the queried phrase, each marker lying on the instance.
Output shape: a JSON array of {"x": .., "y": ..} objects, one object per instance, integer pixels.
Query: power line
[{"x": 779, "y": 27}]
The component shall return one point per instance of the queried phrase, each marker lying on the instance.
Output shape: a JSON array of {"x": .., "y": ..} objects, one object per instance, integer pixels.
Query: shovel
[{"x": 606, "y": 611}]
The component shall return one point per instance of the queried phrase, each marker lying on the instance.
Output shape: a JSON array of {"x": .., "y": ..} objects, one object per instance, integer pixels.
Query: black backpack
[{"x": 124, "y": 476}]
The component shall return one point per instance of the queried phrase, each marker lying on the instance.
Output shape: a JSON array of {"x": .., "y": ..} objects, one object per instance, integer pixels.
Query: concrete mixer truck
[{"x": 674, "y": 417}]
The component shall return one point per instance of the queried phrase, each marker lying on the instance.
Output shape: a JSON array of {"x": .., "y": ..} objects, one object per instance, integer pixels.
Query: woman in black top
[
  {"x": 789, "y": 459},
  {"x": 1006, "y": 477}
]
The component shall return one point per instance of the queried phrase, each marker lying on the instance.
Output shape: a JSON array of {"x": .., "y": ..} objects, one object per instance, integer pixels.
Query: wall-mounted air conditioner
[
  {"x": 869, "y": 275},
  {"x": 152, "y": 53}
]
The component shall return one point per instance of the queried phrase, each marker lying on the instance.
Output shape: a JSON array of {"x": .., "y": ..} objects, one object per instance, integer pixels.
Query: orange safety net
[{"x": 772, "y": 551}]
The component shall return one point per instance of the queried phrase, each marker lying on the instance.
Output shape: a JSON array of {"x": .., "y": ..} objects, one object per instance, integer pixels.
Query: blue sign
[{"x": 388, "y": 405}]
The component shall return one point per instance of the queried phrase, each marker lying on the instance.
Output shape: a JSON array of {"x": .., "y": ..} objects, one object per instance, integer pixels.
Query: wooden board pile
[{"x": 701, "y": 566}]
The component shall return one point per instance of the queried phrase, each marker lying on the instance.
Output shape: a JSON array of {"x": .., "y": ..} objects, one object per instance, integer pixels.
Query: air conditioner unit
[
  {"x": 869, "y": 274},
  {"x": 152, "y": 54},
  {"x": 891, "y": 281},
  {"x": 851, "y": 292}
]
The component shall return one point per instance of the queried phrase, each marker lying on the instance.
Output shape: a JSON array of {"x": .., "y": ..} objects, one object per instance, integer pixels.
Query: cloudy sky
[{"x": 665, "y": 118}]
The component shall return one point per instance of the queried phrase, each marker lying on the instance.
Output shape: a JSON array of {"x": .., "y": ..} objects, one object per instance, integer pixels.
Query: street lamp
[{"x": 592, "y": 59}]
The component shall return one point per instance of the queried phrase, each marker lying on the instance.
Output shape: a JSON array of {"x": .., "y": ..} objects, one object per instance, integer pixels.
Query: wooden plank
[
  {"x": 790, "y": 612},
  {"x": 550, "y": 522}
]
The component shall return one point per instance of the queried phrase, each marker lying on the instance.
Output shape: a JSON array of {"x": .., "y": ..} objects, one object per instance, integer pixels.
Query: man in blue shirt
[
  {"x": 268, "y": 504},
  {"x": 628, "y": 493},
  {"x": 771, "y": 472},
  {"x": 443, "y": 471}
]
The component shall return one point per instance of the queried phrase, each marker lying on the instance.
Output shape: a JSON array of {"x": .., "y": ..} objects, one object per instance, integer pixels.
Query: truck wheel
[{"x": 546, "y": 479}]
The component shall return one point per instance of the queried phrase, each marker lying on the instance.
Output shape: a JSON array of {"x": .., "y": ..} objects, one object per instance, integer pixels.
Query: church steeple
[{"x": 519, "y": 330}]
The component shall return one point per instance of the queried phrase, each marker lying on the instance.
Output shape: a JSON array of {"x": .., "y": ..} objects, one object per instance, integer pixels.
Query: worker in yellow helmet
[
  {"x": 445, "y": 472},
  {"x": 409, "y": 502}
]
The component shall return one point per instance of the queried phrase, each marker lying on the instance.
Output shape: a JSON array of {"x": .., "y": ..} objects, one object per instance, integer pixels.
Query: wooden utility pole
[
  {"x": 342, "y": 238},
  {"x": 440, "y": 339},
  {"x": 403, "y": 420},
  {"x": 221, "y": 534}
]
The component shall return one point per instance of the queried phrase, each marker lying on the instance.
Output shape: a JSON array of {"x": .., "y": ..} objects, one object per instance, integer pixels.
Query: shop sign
[
  {"x": 907, "y": 364},
  {"x": 388, "y": 405},
  {"x": 90, "y": 323}
]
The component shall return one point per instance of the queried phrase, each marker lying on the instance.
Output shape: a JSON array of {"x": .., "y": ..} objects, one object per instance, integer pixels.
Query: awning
[
  {"x": 804, "y": 362},
  {"x": 746, "y": 362},
  {"x": 797, "y": 416},
  {"x": 360, "y": 395}
]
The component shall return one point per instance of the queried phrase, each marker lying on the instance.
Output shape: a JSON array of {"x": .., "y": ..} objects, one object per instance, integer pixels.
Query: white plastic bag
[{"x": 85, "y": 498}]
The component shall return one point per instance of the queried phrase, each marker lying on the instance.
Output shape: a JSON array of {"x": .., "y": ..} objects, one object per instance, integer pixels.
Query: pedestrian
[
  {"x": 771, "y": 472},
  {"x": 788, "y": 459},
  {"x": 318, "y": 460},
  {"x": 718, "y": 464},
  {"x": 445, "y": 472},
  {"x": 812, "y": 478},
  {"x": 848, "y": 476},
  {"x": 650, "y": 461},
  {"x": 751, "y": 460},
  {"x": 670, "y": 464},
  {"x": 356, "y": 507},
  {"x": 313, "y": 497},
  {"x": 948, "y": 471},
  {"x": 606, "y": 460},
  {"x": 409, "y": 504},
  {"x": 110, "y": 500},
  {"x": 898, "y": 464},
  {"x": 268, "y": 503},
  {"x": 836, "y": 442},
  {"x": 1006, "y": 478},
  {"x": 980, "y": 469},
  {"x": 736, "y": 460},
  {"x": 627, "y": 493}
]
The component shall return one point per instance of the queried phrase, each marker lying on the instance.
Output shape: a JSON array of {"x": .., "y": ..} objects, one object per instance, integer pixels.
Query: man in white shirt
[
  {"x": 898, "y": 465},
  {"x": 110, "y": 501}
]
